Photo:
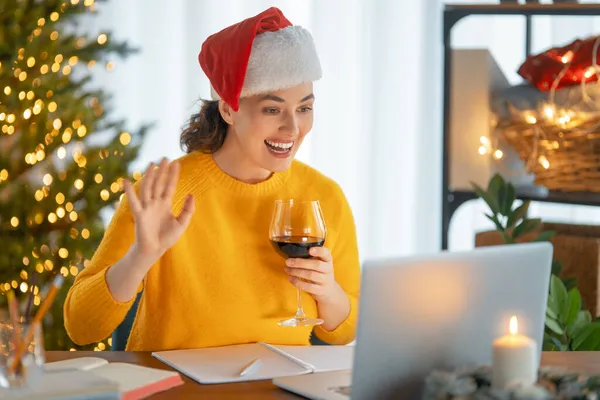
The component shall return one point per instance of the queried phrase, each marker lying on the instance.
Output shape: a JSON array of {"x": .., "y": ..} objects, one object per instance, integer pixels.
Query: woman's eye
[
  {"x": 271, "y": 110},
  {"x": 306, "y": 109}
]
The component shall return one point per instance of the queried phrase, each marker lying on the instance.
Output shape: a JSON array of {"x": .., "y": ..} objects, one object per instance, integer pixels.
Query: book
[
  {"x": 224, "y": 364},
  {"x": 95, "y": 378}
]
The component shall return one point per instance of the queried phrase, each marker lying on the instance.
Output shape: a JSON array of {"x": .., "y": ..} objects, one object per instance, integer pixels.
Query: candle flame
[{"x": 514, "y": 326}]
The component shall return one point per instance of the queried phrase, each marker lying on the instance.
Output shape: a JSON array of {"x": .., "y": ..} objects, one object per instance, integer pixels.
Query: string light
[
  {"x": 3, "y": 175},
  {"x": 81, "y": 131},
  {"x": 52, "y": 218},
  {"x": 54, "y": 16},
  {"x": 47, "y": 179},
  {"x": 102, "y": 38},
  {"x": 7, "y": 90},
  {"x": 60, "y": 198},
  {"x": 54, "y": 35},
  {"x": 98, "y": 178},
  {"x": 104, "y": 194},
  {"x": 73, "y": 216},
  {"x": 63, "y": 253},
  {"x": 125, "y": 138},
  {"x": 78, "y": 184},
  {"x": 61, "y": 152},
  {"x": 60, "y": 212},
  {"x": 31, "y": 62},
  {"x": 85, "y": 233},
  {"x": 14, "y": 221}
]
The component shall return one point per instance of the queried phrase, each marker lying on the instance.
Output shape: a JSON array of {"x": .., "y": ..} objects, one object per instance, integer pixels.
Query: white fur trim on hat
[{"x": 280, "y": 60}]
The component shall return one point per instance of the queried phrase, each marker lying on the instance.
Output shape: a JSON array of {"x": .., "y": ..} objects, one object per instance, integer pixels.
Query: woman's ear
[{"x": 226, "y": 112}]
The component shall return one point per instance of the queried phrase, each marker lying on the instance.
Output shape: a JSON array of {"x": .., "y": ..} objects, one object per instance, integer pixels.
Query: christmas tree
[{"x": 62, "y": 157}]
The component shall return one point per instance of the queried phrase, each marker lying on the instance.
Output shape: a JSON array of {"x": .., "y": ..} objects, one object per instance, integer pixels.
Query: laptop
[{"x": 435, "y": 311}]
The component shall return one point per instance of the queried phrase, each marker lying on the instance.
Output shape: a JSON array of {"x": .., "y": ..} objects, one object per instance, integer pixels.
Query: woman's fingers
[
  {"x": 134, "y": 202},
  {"x": 309, "y": 275},
  {"x": 188, "y": 210},
  {"x": 161, "y": 179},
  {"x": 172, "y": 178},
  {"x": 146, "y": 185}
]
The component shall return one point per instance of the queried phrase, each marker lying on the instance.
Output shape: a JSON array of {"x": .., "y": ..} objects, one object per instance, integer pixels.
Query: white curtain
[{"x": 376, "y": 127}]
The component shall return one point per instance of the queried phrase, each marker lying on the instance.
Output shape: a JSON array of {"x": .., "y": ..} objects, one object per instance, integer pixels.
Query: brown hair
[{"x": 205, "y": 130}]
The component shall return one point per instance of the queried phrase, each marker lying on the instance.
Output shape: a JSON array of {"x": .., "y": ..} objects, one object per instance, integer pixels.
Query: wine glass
[{"x": 296, "y": 226}]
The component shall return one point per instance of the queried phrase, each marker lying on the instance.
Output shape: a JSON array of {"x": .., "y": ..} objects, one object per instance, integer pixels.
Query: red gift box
[{"x": 570, "y": 64}]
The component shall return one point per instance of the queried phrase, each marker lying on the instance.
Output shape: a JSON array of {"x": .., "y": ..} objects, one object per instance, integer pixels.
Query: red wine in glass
[
  {"x": 296, "y": 246},
  {"x": 296, "y": 226}
]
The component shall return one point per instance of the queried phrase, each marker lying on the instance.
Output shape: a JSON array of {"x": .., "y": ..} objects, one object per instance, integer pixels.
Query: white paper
[
  {"x": 224, "y": 364},
  {"x": 323, "y": 358}
]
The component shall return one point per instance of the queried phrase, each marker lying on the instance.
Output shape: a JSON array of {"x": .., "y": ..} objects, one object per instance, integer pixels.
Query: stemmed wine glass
[{"x": 296, "y": 226}]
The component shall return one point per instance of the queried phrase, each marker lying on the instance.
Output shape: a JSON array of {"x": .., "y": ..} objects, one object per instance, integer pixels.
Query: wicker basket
[{"x": 563, "y": 157}]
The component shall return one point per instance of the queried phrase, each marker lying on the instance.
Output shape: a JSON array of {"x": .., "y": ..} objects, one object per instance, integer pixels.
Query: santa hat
[{"x": 261, "y": 54}]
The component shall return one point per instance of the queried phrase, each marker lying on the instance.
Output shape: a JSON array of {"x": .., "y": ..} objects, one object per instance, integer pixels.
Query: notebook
[
  {"x": 96, "y": 378},
  {"x": 224, "y": 364}
]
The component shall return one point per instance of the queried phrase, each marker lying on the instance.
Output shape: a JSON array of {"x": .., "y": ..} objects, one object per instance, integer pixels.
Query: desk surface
[{"x": 586, "y": 362}]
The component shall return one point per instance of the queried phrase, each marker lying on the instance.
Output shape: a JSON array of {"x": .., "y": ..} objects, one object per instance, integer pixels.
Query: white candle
[{"x": 514, "y": 359}]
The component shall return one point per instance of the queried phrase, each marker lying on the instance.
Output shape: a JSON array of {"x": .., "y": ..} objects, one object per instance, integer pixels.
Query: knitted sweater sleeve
[
  {"x": 347, "y": 273},
  {"x": 90, "y": 312}
]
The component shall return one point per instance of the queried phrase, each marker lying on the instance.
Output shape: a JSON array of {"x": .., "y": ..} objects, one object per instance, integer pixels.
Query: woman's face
[{"x": 270, "y": 128}]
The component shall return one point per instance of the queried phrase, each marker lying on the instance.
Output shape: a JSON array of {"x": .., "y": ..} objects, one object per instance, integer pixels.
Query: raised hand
[{"x": 156, "y": 228}]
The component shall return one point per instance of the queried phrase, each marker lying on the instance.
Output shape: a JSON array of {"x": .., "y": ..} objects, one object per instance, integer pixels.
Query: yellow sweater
[{"x": 221, "y": 283}]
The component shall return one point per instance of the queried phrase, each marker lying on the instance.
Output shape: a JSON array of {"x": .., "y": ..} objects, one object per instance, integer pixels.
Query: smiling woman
[{"x": 193, "y": 235}]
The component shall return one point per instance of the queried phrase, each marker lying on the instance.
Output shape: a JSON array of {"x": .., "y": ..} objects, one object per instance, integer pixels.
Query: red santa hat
[{"x": 258, "y": 55}]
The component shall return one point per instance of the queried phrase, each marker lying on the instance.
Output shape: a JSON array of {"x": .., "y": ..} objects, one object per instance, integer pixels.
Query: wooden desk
[{"x": 587, "y": 362}]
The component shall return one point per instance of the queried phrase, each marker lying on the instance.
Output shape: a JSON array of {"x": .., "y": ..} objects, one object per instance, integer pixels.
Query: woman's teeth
[
  {"x": 280, "y": 145},
  {"x": 280, "y": 148}
]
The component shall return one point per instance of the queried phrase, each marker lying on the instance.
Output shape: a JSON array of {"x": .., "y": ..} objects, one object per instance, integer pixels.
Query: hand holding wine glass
[{"x": 298, "y": 232}]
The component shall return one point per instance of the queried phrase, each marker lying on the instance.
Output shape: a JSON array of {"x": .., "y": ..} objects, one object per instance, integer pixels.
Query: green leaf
[
  {"x": 588, "y": 339},
  {"x": 526, "y": 226},
  {"x": 556, "y": 267},
  {"x": 516, "y": 215},
  {"x": 580, "y": 322},
  {"x": 490, "y": 200},
  {"x": 544, "y": 236},
  {"x": 509, "y": 199},
  {"x": 554, "y": 326},
  {"x": 495, "y": 221},
  {"x": 570, "y": 283},
  {"x": 572, "y": 307},
  {"x": 558, "y": 294},
  {"x": 495, "y": 184},
  {"x": 550, "y": 313}
]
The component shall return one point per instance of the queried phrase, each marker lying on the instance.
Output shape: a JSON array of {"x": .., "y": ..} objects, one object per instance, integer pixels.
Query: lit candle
[{"x": 514, "y": 359}]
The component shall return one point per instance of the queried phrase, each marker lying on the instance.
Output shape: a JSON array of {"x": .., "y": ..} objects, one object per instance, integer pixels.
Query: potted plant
[{"x": 568, "y": 326}]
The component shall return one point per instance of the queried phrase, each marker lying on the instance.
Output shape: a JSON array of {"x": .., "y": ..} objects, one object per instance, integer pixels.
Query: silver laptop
[{"x": 435, "y": 312}]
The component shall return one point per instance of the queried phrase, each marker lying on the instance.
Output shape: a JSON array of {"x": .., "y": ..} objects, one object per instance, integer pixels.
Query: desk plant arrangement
[{"x": 568, "y": 326}]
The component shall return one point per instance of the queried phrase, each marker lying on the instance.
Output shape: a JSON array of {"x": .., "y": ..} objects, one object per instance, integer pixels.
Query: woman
[{"x": 192, "y": 235}]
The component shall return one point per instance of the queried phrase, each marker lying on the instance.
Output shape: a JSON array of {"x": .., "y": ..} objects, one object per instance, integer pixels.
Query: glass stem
[{"x": 300, "y": 312}]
